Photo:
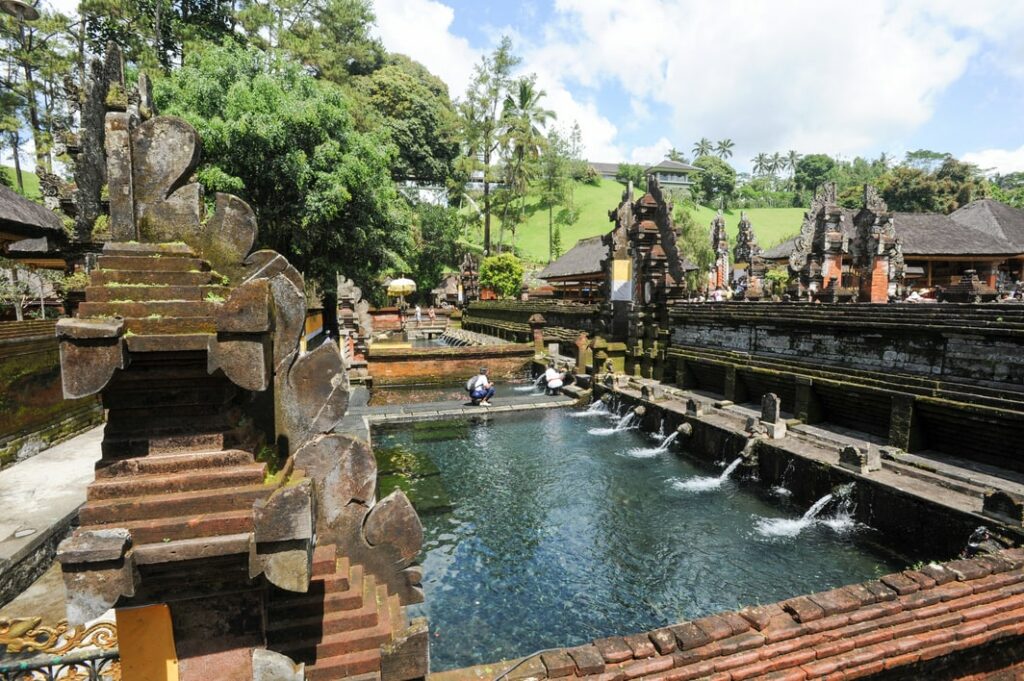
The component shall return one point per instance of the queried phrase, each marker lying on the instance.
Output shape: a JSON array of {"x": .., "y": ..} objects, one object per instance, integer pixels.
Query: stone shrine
[
  {"x": 719, "y": 275},
  {"x": 224, "y": 499},
  {"x": 748, "y": 264}
]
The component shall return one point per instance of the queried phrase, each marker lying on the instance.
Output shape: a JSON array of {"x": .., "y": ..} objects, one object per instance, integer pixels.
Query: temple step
[
  {"x": 164, "y": 308},
  {"x": 153, "y": 263},
  {"x": 169, "y": 483},
  {"x": 180, "y": 393},
  {"x": 142, "y": 278},
  {"x": 327, "y": 594},
  {"x": 140, "y": 294},
  {"x": 182, "y": 342},
  {"x": 191, "y": 527},
  {"x": 134, "y": 248},
  {"x": 304, "y": 627},
  {"x": 325, "y": 560},
  {"x": 169, "y": 326},
  {"x": 346, "y": 666},
  {"x": 178, "y": 504},
  {"x": 172, "y": 463},
  {"x": 117, "y": 446}
]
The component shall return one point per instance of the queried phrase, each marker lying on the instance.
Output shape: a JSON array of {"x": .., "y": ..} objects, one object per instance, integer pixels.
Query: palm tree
[
  {"x": 674, "y": 154},
  {"x": 703, "y": 148},
  {"x": 522, "y": 117},
  {"x": 724, "y": 148},
  {"x": 792, "y": 158},
  {"x": 775, "y": 164},
  {"x": 760, "y": 163}
]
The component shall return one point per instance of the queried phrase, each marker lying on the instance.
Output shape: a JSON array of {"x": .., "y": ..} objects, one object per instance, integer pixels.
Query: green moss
[
  {"x": 212, "y": 297},
  {"x": 269, "y": 456},
  {"x": 155, "y": 316},
  {"x": 101, "y": 226}
]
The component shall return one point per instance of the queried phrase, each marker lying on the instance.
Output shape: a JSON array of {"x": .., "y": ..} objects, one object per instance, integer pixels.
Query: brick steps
[
  {"x": 181, "y": 550},
  {"x": 154, "y": 263},
  {"x": 164, "y": 308},
  {"x": 118, "y": 447},
  {"x": 141, "y": 278},
  {"x": 179, "y": 481},
  {"x": 178, "y": 504},
  {"x": 338, "y": 631},
  {"x": 192, "y": 527},
  {"x": 165, "y": 293}
]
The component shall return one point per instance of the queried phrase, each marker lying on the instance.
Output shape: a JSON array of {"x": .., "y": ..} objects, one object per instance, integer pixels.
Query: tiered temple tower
[
  {"x": 644, "y": 275},
  {"x": 241, "y": 531},
  {"x": 719, "y": 276},
  {"x": 747, "y": 259}
]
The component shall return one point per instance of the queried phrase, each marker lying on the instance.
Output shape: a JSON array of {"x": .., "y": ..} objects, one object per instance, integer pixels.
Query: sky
[{"x": 816, "y": 76}]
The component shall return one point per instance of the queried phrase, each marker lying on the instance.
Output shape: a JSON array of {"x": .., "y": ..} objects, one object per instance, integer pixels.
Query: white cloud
[
  {"x": 421, "y": 29},
  {"x": 998, "y": 160},
  {"x": 803, "y": 74},
  {"x": 651, "y": 154}
]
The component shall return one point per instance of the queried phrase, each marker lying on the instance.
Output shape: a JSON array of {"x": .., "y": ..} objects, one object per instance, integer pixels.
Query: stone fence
[
  {"x": 33, "y": 411},
  {"x": 510, "y": 319}
]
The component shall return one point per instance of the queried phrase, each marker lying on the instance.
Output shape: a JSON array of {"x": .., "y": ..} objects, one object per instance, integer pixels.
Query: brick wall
[
  {"x": 33, "y": 411},
  {"x": 403, "y": 366}
]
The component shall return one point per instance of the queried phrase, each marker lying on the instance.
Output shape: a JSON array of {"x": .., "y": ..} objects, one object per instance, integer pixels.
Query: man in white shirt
[
  {"x": 553, "y": 379},
  {"x": 480, "y": 388}
]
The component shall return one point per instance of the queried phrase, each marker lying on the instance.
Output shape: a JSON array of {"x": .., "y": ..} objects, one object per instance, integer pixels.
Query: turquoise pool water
[{"x": 554, "y": 535}]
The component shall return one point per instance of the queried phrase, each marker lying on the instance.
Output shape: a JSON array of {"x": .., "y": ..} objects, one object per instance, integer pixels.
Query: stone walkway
[{"x": 40, "y": 497}]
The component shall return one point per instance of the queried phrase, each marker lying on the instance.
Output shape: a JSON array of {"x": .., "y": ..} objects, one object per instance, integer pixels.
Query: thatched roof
[
  {"x": 22, "y": 217},
  {"x": 583, "y": 259}
]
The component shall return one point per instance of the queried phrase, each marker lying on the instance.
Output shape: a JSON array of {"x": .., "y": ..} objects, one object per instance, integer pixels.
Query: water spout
[
  {"x": 791, "y": 527},
  {"x": 704, "y": 484},
  {"x": 596, "y": 408},
  {"x": 648, "y": 452},
  {"x": 625, "y": 423}
]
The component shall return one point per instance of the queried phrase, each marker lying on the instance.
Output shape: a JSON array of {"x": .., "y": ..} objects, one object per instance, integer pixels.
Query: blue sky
[{"x": 816, "y": 76}]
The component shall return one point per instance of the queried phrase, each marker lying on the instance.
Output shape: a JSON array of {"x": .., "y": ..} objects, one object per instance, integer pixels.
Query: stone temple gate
[{"x": 223, "y": 503}]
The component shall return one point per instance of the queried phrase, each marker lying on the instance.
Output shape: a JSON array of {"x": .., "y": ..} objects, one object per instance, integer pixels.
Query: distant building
[
  {"x": 937, "y": 249},
  {"x": 25, "y": 224},
  {"x": 606, "y": 170},
  {"x": 673, "y": 174},
  {"x": 577, "y": 275}
]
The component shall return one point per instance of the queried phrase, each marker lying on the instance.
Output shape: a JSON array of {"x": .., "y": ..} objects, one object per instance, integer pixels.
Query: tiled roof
[
  {"x": 605, "y": 168},
  {"x": 857, "y": 631},
  {"x": 780, "y": 251},
  {"x": 995, "y": 218},
  {"x": 582, "y": 259},
  {"x": 669, "y": 166},
  {"x": 19, "y": 215}
]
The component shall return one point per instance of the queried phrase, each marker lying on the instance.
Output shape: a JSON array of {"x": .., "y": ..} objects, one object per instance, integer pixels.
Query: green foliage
[
  {"x": 76, "y": 282},
  {"x": 951, "y": 186},
  {"x": 435, "y": 245},
  {"x": 694, "y": 244},
  {"x": 812, "y": 170},
  {"x": 717, "y": 180},
  {"x": 502, "y": 273},
  {"x": 413, "y": 106},
  {"x": 778, "y": 279},
  {"x": 556, "y": 186},
  {"x": 926, "y": 159},
  {"x": 331, "y": 37},
  {"x": 632, "y": 172},
  {"x": 322, "y": 190},
  {"x": 101, "y": 226}
]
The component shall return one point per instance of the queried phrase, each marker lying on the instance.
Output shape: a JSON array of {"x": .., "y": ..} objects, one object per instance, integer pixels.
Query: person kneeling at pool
[
  {"x": 553, "y": 379},
  {"x": 480, "y": 388}
]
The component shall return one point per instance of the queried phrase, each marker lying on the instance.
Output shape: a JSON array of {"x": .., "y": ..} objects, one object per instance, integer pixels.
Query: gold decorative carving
[{"x": 29, "y": 635}]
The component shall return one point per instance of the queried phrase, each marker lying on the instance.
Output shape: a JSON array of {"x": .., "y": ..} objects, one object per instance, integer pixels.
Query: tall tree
[
  {"x": 703, "y": 148},
  {"x": 812, "y": 170},
  {"x": 674, "y": 154},
  {"x": 523, "y": 118},
  {"x": 792, "y": 158},
  {"x": 481, "y": 120},
  {"x": 333, "y": 38},
  {"x": 555, "y": 183},
  {"x": 760, "y": 163},
  {"x": 723, "y": 149}
]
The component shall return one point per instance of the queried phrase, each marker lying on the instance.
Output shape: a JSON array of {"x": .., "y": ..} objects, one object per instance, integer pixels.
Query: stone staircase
[{"x": 338, "y": 626}]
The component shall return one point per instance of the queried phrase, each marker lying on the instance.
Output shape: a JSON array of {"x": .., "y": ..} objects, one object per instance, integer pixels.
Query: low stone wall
[
  {"x": 510, "y": 319},
  {"x": 33, "y": 412},
  {"x": 408, "y": 366}
]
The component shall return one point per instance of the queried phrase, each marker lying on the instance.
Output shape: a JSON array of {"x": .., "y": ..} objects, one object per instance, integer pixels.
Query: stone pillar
[
  {"x": 537, "y": 323},
  {"x": 878, "y": 281},
  {"x": 735, "y": 390},
  {"x": 685, "y": 378},
  {"x": 904, "y": 432},
  {"x": 990, "y": 273},
  {"x": 808, "y": 409},
  {"x": 583, "y": 353},
  {"x": 119, "y": 176}
]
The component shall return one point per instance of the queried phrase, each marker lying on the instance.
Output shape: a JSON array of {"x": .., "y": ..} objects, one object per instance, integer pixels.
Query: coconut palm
[
  {"x": 723, "y": 149},
  {"x": 775, "y": 164},
  {"x": 703, "y": 148},
  {"x": 760, "y": 163},
  {"x": 791, "y": 160},
  {"x": 674, "y": 154}
]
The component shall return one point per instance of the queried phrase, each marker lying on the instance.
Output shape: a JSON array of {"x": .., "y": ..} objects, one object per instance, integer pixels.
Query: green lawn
[
  {"x": 30, "y": 180},
  {"x": 771, "y": 225}
]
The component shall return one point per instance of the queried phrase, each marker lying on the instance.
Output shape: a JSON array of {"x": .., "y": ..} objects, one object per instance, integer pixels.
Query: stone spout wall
[
  {"x": 948, "y": 378},
  {"x": 33, "y": 412}
]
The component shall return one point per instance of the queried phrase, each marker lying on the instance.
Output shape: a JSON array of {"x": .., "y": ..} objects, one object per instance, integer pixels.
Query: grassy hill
[
  {"x": 30, "y": 180},
  {"x": 771, "y": 225}
]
